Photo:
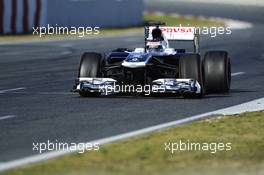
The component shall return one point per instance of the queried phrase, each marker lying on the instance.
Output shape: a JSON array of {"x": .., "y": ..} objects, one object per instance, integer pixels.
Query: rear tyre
[
  {"x": 217, "y": 72},
  {"x": 190, "y": 67},
  {"x": 90, "y": 66}
]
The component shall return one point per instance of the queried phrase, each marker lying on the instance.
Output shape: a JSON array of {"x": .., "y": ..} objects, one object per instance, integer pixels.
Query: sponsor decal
[{"x": 178, "y": 29}]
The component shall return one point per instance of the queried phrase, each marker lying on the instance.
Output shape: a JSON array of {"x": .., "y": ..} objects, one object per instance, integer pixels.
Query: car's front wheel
[
  {"x": 90, "y": 67},
  {"x": 190, "y": 67}
]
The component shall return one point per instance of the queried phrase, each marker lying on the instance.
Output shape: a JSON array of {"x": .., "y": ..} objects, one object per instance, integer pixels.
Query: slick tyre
[
  {"x": 190, "y": 67},
  {"x": 90, "y": 66},
  {"x": 217, "y": 72}
]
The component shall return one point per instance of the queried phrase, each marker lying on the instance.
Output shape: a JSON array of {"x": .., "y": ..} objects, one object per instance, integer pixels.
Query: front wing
[{"x": 108, "y": 86}]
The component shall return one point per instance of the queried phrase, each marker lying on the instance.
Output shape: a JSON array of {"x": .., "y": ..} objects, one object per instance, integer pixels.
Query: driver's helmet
[
  {"x": 157, "y": 43},
  {"x": 157, "y": 34}
]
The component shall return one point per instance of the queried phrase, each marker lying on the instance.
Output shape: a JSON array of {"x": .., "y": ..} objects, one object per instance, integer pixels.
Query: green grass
[
  {"x": 146, "y": 154},
  {"x": 170, "y": 20}
]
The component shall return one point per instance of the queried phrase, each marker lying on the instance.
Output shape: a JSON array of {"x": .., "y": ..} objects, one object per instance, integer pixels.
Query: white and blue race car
[{"x": 157, "y": 66}]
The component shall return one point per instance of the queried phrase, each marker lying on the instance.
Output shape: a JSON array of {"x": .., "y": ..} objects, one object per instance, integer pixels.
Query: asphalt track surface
[{"x": 35, "y": 80}]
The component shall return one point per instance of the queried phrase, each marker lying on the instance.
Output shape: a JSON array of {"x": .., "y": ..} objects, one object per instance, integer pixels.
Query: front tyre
[
  {"x": 190, "y": 67},
  {"x": 217, "y": 72},
  {"x": 90, "y": 66}
]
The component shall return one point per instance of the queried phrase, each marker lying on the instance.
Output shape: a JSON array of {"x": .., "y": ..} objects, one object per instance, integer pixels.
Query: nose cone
[
  {"x": 137, "y": 57},
  {"x": 136, "y": 60}
]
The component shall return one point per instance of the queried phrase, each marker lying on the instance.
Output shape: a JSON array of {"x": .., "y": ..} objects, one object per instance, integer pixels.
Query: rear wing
[{"x": 176, "y": 34}]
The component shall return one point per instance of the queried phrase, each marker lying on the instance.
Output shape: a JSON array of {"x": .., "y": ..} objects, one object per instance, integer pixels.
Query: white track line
[
  {"x": 255, "y": 105},
  {"x": 9, "y": 90},
  {"x": 7, "y": 117},
  {"x": 237, "y": 73}
]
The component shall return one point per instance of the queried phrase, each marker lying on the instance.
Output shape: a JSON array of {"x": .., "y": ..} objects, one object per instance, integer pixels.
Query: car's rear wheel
[
  {"x": 217, "y": 72},
  {"x": 190, "y": 67},
  {"x": 90, "y": 66}
]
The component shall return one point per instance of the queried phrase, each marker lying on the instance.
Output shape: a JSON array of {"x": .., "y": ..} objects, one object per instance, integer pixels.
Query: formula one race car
[{"x": 156, "y": 68}]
